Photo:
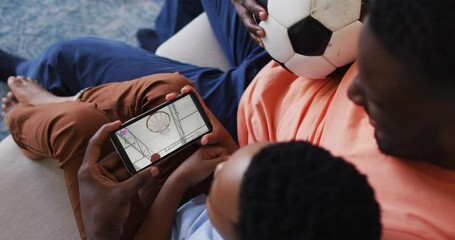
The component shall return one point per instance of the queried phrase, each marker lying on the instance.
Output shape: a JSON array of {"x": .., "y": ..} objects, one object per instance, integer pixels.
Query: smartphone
[{"x": 160, "y": 132}]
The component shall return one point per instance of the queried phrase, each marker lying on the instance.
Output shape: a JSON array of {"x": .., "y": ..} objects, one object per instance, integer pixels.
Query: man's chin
[
  {"x": 389, "y": 148},
  {"x": 401, "y": 151}
]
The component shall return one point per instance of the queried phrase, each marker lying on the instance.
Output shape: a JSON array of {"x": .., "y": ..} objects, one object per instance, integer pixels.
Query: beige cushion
[
  {"x": 34, "y": 203},
  {"x": 198, "y": 47}
]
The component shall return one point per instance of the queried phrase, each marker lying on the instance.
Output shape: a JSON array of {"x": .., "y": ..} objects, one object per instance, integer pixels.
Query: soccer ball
[{"x": 312, "y": 38}]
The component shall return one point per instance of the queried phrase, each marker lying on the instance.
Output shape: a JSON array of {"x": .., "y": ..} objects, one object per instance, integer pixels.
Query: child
[{"x": 263, "y": 191}]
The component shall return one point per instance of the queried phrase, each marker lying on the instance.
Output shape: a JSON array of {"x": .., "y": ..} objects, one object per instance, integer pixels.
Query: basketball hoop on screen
[{"x": 159, "y": 122}]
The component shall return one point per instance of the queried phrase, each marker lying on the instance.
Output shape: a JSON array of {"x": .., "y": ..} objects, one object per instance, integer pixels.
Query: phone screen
[{"x": 162, "y": 130}]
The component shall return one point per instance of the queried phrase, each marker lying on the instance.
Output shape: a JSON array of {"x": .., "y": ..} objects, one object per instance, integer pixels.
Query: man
[{"x": 401, "y": 133}]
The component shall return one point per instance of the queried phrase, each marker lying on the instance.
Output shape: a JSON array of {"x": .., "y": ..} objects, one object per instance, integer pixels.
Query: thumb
[{"x": 136, "y": 182}]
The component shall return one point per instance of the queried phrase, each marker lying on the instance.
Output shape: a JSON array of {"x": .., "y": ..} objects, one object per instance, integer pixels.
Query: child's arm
[{"x": 158, "y": 222}]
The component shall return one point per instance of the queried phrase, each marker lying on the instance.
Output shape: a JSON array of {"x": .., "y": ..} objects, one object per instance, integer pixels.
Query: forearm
[{"x": 160, "y": 217}]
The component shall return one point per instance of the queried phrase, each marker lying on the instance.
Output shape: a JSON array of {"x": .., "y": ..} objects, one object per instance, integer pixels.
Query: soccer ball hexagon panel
[
  {"x": 335, "y": 14},
  {"x": 284, "y": 11},
  {"x": 309, "y": 37},
  {"x": 343, "y": 45},
  {"x": 277, "y": 43}
]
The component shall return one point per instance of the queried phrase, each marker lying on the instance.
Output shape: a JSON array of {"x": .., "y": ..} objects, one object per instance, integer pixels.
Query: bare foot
[
  {"x": 29, "y": 92},
  {"x": 9, "y": 103}
]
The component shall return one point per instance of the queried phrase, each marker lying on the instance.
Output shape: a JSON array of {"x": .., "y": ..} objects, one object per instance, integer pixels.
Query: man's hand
[
  {"x": 105, "y": 203},
  {"x": 219, "y": 134},
  {"x": 246, "y": 9}
]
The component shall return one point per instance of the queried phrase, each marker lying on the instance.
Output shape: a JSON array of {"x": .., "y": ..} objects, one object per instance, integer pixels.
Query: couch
[{"x": 34, "y": 203}]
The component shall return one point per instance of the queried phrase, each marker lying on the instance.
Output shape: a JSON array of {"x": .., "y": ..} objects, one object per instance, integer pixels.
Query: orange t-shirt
[{"x": 417, "y": 198}]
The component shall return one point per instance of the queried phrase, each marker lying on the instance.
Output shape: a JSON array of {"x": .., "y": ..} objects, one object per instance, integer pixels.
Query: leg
[
  {"x": 228, "y": 28},
  {"x": 232, "y": 35},
  {"x": 68, "y": 66},
  {"x": 62, "y": 131},
  {"x": 37, "y": 127},
  {"x": 71, "y": 65},
  {"x": 124, "y": 100},
  {"x": 174, "y": 15},
  {"x": 58, "y": 131}
]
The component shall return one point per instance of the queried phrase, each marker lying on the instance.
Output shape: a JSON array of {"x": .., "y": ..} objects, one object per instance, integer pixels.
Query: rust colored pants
[{"x": 62, "y": 130}]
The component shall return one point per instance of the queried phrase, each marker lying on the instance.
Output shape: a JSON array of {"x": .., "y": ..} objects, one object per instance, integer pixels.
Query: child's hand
[
  {"x": 199, "y": 165},
  {"x": 219, "y": 134}
]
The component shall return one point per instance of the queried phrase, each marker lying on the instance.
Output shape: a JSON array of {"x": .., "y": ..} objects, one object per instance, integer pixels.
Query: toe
[
  {"x": 21, "y": 78},
  {"x": 11, "y": 97},
  {"x": 8, "y": 101},
  {"x": 4, "y": 106},
  {"x": 13, "y": 81}
]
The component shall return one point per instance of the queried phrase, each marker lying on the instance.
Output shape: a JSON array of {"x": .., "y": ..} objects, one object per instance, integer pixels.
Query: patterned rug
[{"x": 29, "y": 26}]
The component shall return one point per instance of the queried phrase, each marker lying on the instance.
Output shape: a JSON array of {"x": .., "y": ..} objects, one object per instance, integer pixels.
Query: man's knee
[
  {"x": 150, "y": 91},
  {"x": 159, "y": 85},
  {"x": 73, "y": 128},
  {"x": 58, "y": 50},
  {"x": 78, "y": 121},
  {"x": 176, "y": 83},
  {"x": 64, "y": 51}
]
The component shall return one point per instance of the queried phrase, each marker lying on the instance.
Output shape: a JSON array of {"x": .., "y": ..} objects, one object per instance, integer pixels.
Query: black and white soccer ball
[{"x": 312, "y": 38}]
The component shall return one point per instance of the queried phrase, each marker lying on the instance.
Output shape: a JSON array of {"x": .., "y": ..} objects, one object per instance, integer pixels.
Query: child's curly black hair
[{"x": 296, "y": 190}]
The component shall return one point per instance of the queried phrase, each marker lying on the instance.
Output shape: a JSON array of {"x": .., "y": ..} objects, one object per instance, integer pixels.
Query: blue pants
[
  {"x": 174, "y": 15},
  {"x": 71, "y": 65}
]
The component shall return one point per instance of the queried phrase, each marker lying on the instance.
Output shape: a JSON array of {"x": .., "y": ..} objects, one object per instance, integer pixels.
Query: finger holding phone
[
  {"x": 219, "y": 134},
  {"x": 158, "y": 134},
  {"x": 105, "y": 203}
]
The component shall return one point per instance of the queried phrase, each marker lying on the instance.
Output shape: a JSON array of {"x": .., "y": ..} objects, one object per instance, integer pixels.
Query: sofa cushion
[
  {"x": 195, "y": 44},
  {"x": 34, "y": 203}
]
